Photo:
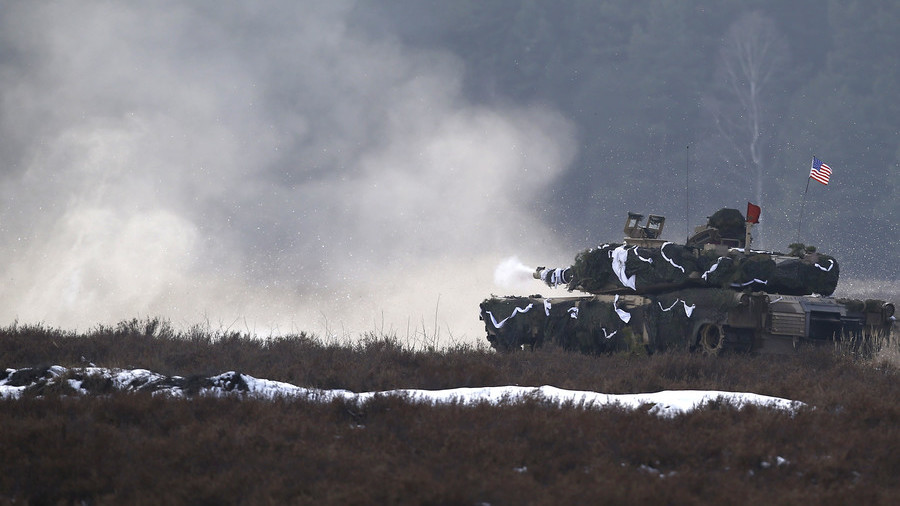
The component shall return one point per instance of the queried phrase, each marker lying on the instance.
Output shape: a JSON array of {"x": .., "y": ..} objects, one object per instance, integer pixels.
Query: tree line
[{"x": 683, "y": 107}]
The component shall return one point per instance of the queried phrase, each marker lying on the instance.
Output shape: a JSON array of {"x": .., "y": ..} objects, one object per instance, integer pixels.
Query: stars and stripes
[{"x": 819, "y": 171}]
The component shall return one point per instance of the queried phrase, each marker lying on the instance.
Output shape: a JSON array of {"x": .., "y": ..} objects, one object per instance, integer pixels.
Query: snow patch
[{"x": 666, "y": 403}]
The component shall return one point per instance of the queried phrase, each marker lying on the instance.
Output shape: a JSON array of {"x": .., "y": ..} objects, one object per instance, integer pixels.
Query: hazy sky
[{"x": 256, "y": 165}]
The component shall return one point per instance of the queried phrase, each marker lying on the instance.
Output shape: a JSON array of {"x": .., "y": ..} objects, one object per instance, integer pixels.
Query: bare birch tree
[{"x": 744, "y": 105}]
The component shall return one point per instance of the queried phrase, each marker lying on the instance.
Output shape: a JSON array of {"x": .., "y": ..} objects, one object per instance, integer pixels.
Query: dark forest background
[{"x": 754, "y": 88}]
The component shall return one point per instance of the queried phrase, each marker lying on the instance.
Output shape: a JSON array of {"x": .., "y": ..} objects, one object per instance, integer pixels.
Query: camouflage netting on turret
[
  {"x": 617, "y": 268},
  {"x": 614, "y": 266}
]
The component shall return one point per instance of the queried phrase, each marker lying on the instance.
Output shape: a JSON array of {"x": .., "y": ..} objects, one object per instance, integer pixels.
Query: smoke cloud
[
  {"x": 511, "y": 273},
  {"x": 263, "y": 166}
]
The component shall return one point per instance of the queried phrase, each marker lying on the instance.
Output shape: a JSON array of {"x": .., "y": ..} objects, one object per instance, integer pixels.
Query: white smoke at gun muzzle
[{"x": 512, "y": 274}]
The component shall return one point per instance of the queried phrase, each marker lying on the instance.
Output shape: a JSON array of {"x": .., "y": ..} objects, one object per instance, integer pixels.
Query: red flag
[{"x": 752, "y": 213}]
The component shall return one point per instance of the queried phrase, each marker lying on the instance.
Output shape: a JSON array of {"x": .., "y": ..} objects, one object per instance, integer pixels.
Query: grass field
[{"x": 127, "y": 448}]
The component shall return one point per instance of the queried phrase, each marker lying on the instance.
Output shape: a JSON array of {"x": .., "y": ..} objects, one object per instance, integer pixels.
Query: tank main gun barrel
[{"x": 553, "y": 277}]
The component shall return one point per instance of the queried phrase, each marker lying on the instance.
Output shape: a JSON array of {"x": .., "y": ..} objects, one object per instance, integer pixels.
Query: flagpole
[
  {"x": 687, "y": 195},
  {"x": 802, "y": 204}
]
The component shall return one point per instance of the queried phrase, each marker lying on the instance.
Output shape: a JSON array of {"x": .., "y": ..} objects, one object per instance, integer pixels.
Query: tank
[{"x": 710, "y": 294}]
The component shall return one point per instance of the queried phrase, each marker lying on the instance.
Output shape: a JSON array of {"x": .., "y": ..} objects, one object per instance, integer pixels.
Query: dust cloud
[{"x": 268, "y": 167}]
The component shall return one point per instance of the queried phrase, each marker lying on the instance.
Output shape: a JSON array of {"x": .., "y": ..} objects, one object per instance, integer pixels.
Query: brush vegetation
[{"x": 136, "y": 448}]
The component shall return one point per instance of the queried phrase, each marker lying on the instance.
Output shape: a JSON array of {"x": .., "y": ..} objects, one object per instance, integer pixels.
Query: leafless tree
[{"x": 744, "y": 105}]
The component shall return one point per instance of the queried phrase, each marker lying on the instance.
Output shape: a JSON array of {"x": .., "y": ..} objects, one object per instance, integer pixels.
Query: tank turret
[
  {"x": 709, "y": 294},
  {"x": 620, "y": 268}
]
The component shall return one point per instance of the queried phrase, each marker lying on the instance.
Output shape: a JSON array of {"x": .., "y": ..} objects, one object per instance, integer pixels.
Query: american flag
[{"x": 820, "y": 172}]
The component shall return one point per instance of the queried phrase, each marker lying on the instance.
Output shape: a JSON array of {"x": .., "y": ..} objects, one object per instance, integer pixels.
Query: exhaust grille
[{"x": 788, "y": 324}]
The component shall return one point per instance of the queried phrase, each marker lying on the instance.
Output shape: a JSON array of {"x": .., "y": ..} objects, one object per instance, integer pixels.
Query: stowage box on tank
[{"x": 709, "y": 294}]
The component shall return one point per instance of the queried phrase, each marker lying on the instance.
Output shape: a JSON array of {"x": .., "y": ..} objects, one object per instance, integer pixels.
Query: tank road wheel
[{"x": 710, "y": 339}]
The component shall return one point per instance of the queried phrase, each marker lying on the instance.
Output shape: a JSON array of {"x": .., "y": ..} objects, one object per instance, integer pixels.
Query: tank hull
[{"x": 709, "y": 320}]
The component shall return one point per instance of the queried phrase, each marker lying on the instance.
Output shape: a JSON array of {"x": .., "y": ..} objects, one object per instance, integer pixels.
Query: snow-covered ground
[{"x": 87, "y": 380}]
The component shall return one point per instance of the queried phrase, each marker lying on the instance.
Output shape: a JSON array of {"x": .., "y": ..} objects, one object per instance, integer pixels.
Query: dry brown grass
[{"x": 140, "y": 449}]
